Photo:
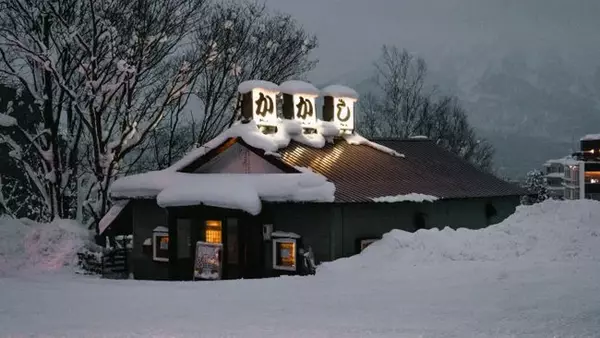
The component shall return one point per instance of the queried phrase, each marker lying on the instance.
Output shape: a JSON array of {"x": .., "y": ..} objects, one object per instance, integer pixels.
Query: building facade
[{"x": 263, "y": 200}]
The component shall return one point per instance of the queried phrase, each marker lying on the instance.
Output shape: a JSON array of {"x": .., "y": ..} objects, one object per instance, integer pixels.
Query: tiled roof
[{"x": 361, "y": 173}]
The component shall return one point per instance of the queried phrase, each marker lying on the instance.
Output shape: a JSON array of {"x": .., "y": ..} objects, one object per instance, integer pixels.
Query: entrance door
[{"x": 253, "y": 249}]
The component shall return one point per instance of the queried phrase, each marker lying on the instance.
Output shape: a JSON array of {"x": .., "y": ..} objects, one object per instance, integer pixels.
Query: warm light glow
[
  {"x": 212, "y": 232},
  {"x": 305, "y": 112},
  {"x": 343, "y": 113},
  {"x": 164, "y": 243},
  {"x": 287, "y": 250},
  {"x": 264, "y": 107}
]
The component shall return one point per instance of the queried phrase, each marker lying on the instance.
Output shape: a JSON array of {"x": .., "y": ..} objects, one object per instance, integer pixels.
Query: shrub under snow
[
  {"x": 28, "y": 246},
  {"x": 548, "y": 231}
]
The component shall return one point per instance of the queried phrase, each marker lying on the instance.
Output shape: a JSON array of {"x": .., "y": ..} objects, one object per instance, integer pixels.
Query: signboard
[
  {"x": 208, "y": 261},
  {"x": 304, "y": 110},
  {"x": 264, "y": 107},
  {"x": 343, "y": 113}
]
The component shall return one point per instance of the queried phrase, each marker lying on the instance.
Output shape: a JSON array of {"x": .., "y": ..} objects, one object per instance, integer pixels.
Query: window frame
[
  {"x": 275, "y": 248},
  {"x": 155, "y": 236}
]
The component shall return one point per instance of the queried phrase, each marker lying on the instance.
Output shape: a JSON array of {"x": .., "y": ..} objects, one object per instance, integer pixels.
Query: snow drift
[
  {"x": 549, "y": 231},
  {"x": 28, "y": 246}
]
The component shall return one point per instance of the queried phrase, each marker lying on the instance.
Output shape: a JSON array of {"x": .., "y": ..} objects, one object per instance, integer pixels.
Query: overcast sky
[{"x": 352, "y": 31}]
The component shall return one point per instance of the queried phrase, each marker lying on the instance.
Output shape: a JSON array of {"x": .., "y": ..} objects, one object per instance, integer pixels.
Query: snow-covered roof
[
  {"x": 287, "y": 130},
  {"x": 591, "y": 137},
  {"x": 232, "y": 191},
  {"x": 412, "y": 197},
  {"x": 564, "y": 161},
  {"x": 356, "y": 139},
  {"x": 298, "y": 87},
  {"x": 247, "y": 86},
  {"x": 339, "y": 91},
  {"x": 112, "y": 214}
]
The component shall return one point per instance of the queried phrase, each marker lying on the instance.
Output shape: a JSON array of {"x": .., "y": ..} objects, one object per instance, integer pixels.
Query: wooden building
[{"x": 245, "y": 203}]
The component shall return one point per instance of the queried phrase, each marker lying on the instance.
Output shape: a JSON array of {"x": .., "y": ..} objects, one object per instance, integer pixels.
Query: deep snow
[{"x": 534, "y": 275}]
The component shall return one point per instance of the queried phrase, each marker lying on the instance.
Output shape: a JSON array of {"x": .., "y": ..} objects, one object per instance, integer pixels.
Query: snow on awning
[
  {"x": 233, "y": 191},
  {"x": 111, "y": 215}
]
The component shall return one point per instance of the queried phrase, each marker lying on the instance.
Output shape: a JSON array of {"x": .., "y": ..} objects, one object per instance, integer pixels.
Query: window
[
  {"x": 160, "y": 246},
  {"x": 284, "y": 254},
  {"x": 212, "y": 232}
]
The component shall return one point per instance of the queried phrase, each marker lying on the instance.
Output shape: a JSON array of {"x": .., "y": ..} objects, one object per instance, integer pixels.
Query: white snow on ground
[
  {"x": 412, "y": 197},
  {"x": 534, "y": 275},
  {"x": 29, "y": 247}
]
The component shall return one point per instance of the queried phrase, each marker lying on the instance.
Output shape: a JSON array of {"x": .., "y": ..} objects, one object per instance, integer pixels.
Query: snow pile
[
  {"x": 412, "y": 197},
  {"x": 549, "y": 231},
  {"x": 28, "y": 246},
  {"x": 233, "y": 191}
]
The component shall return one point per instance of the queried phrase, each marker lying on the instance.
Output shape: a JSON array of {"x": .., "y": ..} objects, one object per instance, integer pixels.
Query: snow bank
[
  {"x": 298, "y": 87},
  {"x": 549, "y": 231},
  {"x": 31, "y": 247},
  {"x": 7, "y": 121},
  {"x": 339, "y": 91},
  {"x": 412, "y": 197}
]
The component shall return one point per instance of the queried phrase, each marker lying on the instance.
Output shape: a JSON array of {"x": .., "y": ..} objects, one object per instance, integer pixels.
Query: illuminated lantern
[
  {"x": 299, "y": 102},
  {"x": 259, "y": 102},
  {"x": 338, "y": 106}
]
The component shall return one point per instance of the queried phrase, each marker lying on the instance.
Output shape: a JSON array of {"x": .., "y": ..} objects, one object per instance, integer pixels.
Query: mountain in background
[{"x": 530, "y": 107}]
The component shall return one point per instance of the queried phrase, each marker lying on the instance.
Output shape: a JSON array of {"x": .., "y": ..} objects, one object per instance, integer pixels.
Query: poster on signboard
[{"x": 208, "y": 261}]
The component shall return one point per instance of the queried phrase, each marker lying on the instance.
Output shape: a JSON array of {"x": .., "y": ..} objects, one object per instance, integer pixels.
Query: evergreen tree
[{"x": 537, "y": 186}]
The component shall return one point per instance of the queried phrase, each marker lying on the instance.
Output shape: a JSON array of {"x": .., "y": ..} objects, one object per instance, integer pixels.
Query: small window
[
  {"x": 212, "y": 233},
  {"x": 160, "y": 241},
  {"x": 284, "y": 254}
]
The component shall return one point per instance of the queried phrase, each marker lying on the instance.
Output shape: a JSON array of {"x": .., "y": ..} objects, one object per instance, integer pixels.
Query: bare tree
[
  {"x": 103, "y": 74},
  {"x": 245, "y": 41},
  {"x": 242, "y": 41},
  {"x": 402, "y": 107}
]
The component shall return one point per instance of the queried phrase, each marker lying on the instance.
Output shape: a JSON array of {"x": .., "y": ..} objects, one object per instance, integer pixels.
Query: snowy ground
[{"x": 535, "y": 275}]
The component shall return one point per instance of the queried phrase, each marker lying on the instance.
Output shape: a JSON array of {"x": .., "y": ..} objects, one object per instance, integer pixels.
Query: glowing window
[
  {"x": 284, "y": 254},
  {"x": 212, "y": 233}
]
